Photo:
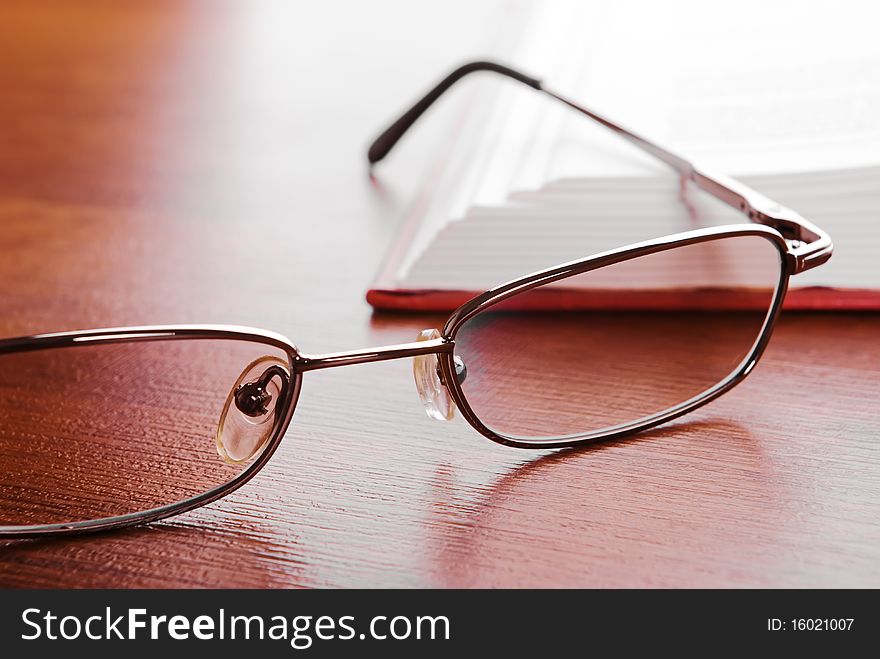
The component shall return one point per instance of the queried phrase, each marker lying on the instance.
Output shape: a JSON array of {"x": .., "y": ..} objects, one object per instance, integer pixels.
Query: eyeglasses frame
[
  {"x": 487, "y": 300},
  {"x": 801, "y": 246}
]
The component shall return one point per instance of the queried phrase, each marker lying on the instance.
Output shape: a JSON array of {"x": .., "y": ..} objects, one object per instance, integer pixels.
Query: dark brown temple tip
[{"x": 383, "y": 144}]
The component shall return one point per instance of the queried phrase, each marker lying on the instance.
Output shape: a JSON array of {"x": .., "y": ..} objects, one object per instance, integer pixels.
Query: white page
[{"x": 791, "y": 102}]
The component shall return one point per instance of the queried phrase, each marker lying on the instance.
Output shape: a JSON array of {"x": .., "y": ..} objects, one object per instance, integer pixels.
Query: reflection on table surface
[{"x": 365, "y": 489}]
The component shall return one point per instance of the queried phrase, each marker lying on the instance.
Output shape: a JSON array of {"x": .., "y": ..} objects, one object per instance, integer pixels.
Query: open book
[{"x": 528, "y": 184}]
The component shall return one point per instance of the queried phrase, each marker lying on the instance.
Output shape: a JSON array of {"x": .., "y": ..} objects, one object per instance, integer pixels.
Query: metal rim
[
  {"x": 161, "y": 333},
  {"x": 496, "y": 295}
]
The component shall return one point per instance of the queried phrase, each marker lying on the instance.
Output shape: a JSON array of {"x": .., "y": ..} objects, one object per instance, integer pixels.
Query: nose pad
[
  {"x": 432, "y": 391},
  {"x": 249, "y": 415}
]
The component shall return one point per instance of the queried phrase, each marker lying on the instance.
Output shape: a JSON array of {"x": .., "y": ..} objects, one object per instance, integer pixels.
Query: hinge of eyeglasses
[
  {"x": 791, "y": 230},
  {"x": 785, "y": 221}
]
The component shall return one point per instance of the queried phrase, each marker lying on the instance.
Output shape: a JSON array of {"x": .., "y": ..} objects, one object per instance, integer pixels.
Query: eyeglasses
[{"x": 112, "y": 427}]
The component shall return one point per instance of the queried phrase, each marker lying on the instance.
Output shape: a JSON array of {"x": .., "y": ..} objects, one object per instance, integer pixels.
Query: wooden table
[{"x": 199, "y": 162}]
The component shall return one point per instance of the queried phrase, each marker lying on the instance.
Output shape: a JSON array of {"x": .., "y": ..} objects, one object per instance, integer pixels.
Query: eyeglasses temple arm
[
  {"x": 810, "y": 245},
  {"x": 383, "y": 144}
]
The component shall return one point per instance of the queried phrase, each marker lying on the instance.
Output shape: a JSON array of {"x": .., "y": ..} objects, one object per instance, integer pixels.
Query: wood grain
[{"x": 204, "y": 162}]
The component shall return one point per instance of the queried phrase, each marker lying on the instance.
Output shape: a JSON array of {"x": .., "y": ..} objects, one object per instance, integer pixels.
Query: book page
[{"x": 791, "y": 106}]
